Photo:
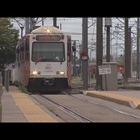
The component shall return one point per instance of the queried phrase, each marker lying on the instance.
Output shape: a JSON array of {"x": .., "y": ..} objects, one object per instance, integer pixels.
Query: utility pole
[
  {"x": 99, "y": 52},
  {"x": 31, "y": 24},
  {"x": 21, "y": 31},
  {"x": 138, "y": 48},
  {"x": 55, "y": 22},
  {"x": 60, "y": 26},
  {"x": 85, "y": 52},
  {"x": 108, "y": 24},
  {"x": 42, "y": 21},
  {"x": 117, "y": 31},
  {"x": 126, "y": 51},
  {"x": 80, "y": 50},
  {"x": 27, "y": 30},
  {"x": 129, "y": 53}
]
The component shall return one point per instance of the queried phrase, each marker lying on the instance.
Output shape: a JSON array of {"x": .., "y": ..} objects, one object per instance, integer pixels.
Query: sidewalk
[
  {"x": 130, "y": 98},
  {"x": 128, "y": 95},
  {"x": 10, "y": 111},
  {"x": 20, "y": 107}
]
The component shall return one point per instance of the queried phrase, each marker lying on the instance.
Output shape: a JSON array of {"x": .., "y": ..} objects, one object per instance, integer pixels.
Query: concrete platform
[
  {"x": 129, "y": 98},
  {"x": 19, "y": 107}
]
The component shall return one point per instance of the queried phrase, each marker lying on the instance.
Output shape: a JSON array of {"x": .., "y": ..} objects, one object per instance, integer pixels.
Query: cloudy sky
[{"x": 74, "y": 27}]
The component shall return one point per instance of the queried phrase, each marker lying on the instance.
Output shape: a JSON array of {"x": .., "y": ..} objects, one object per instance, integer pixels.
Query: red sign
[{"x": 83, "y": 54}]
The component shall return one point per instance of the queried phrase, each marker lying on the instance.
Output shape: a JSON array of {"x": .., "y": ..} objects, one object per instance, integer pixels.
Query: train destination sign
[{"x": 48, "y": 37}]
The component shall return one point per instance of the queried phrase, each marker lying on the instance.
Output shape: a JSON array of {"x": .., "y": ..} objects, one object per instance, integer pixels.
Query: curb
[
  {"x": 118, "y": 101},
  {"x": 138, "y": 107},
  {"x": 130, "y": 87}
]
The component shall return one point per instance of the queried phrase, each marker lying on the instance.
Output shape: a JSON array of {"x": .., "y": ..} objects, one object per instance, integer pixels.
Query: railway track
[
  {"x": 73, "y": 111},
  {"x": 103, "y": 105},
  {"x": 108, "y": 107},
  {"x": 67, "y": 110}
]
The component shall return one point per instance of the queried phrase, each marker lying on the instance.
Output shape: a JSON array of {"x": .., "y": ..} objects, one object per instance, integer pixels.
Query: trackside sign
[{"x": 104, "y": 69}]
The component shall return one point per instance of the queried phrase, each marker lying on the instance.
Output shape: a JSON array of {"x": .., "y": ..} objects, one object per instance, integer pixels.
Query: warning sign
[{"x": 104, "y": 69}]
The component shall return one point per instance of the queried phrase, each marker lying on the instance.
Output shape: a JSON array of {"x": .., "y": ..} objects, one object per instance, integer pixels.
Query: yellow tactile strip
[
  {"x": 116, "y": 96},
  {"x": 32, "y": 111}
]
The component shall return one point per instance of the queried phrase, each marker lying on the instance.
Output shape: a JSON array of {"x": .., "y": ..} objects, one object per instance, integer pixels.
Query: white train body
[{"x": 43, "y": 60}]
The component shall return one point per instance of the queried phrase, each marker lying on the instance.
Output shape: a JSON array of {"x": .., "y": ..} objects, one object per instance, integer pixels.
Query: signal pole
[
  {"x": 85, "y": 50},
  {"x": 99, "y": 52},
  {"x": 126, "y": 51},
  {"x": 31, "y": 24},
  {"x": 21, "y": 31},
  {"x": 108, "y": 25},
  {"x": 55, "y": 22},
  {"x": 27, "y": 30},
  {"x": 42, "y": 21},
  {"x": 138, "y": 48},
  {"x": 129, "y": 53}
]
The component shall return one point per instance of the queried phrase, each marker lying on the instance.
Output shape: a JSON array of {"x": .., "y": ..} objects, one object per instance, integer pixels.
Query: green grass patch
[
  {"x": 50, "y": 109},
  {"x": 23, "y": 89},
  {"x": 78, "y": 80}
]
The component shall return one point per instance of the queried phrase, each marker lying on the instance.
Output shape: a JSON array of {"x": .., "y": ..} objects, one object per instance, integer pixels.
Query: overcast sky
[{"x": 74, "y": 25}]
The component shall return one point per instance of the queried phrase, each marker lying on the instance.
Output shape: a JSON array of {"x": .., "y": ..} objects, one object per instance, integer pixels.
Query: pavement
[
  {"x": 130, "y": 98},
  {"x": 126, "y": 94},
  {"x": 20, "y": 107}
]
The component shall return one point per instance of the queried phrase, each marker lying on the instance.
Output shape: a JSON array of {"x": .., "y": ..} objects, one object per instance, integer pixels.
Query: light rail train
[{"x": 43, "y": 60}]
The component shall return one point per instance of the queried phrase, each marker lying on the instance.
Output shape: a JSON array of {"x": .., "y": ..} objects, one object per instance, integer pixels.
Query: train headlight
[
  {"x": 48, "y": 30},
  {"x": 62, "y": 72},
  {"x": 35, "y": 72}
]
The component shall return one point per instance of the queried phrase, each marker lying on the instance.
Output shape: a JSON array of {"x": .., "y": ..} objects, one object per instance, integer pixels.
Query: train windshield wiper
[
  {"x": 38, "y": 60},
  {"x": 44, "y": 60}
]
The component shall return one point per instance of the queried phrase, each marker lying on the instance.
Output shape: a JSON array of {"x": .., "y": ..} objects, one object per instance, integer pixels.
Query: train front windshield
[{"x": 48, "y": 52}]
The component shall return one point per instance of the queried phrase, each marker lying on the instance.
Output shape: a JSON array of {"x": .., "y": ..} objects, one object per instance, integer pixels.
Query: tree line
[{"x": 9, "y": 36}]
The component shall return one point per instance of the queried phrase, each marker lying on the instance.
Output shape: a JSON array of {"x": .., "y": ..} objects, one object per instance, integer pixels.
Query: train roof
[{"x": 44, "y": 29}]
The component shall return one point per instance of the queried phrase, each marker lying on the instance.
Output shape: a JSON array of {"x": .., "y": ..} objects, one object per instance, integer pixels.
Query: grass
[
  {"x": 23, "y": 89},
  {"x": 50, "y": 109},
  {"x": 78, "y": 80}
]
